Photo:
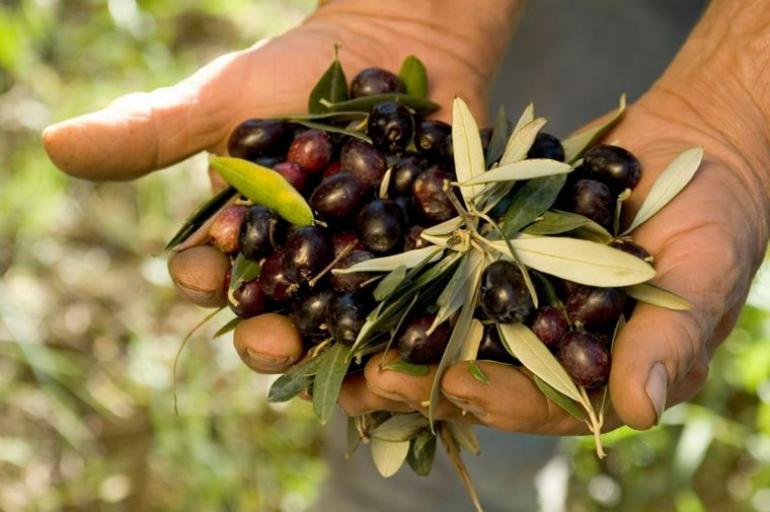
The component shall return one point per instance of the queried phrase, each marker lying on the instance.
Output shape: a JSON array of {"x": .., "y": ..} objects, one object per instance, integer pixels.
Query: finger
[
  {"x": 267, "y": 343},
  {"x": 413, "y": 390},
  {"x": 356, "y": 398},
  {"x": 199, "y": 275}
]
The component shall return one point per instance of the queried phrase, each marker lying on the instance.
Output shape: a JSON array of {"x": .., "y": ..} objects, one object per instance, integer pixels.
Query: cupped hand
[{"x": 707, "y": 244}]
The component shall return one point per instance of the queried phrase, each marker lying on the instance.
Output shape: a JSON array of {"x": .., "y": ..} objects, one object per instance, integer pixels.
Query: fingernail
[
  {"x": 467, "y": 405},
  {"x": 657, "y": 388},
  {"x": 266, "y": 362}
]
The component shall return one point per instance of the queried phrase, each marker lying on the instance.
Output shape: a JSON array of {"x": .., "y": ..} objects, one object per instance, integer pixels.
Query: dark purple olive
[
  {"x": 248, "y": 299},
  {"x": 381, "y": 226},
  {"x": 632, "y": 248},
  {"x": 351, "y": 282},
  {"x": 226, "y": 229},
  {"x": 312, "y": 150},
  {"x": 273, "y": 281},
  {"x": 308, "y": 250},
  {"x": 491, "y": 347},
  {"x": 586, "y": 359},
  {"x": 594, "y": 307},
  {"x": 260, "y": 137},
  {"x": 309, "y": 316},
  {"x": 504, "y": 294},
  {"x": 390, "y": 126},
  {"x": 416, "y": 346},
  {"x": 430, "y": 199},
  {"x": 294, "y": 173},
  {"x": 269, "y": 161},
  {"x": 594, "y": 200},
  {"x": 371, "y": 81},
  {"x": 338, "y": 197},
  {"x": 414, "y": 240},
  {"x": 404, "y": 173},
  {"x": 549, "y": 324},
  {"x": 429, "y": 138},
  {"x": 363, "y": 161},
  {"x": 546, "y": 146},
  {"x": 261, "y": 233},
  {"x": 614, "y": 166},
  {"x": 346, "y": 241},
  {"x": 407, "y": 208},
  {"x": 345, "y": 317},
  {"x": 332, "y": 169}
]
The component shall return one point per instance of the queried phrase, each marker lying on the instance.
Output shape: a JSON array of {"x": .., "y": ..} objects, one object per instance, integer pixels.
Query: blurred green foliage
[{"x": 86, "y": 396}]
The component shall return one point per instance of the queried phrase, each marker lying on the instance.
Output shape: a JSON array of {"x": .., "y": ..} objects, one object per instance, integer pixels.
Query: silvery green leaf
[
  {"x": 328, "y": 117},
  {"x": 406, "y": 259},
  {"x": 560, "y": 399},
  {"x": 421, "y": 453},
  {"x": 468, "y": 152},
  {"x": 526, "y": 117},
  {"x": 619, "y": 210},
  {"x": 444, "y": 228},
  {"x": 388, "y": 456},
  {"x": 470, "y": 349},
  {"x": 402, "y": 366},
  {"x": 657, "y": 296},
  {"x": 437, "y": 240},
  {"x": 536, "y": 357},
  {"x": 557, "y": 222},
  {"x": 464, "y": 436},
  {"x": 499, "y": 137},
  {"x": 577, "y": 142},
  {"x": 459, "y": 334},
  {"x": 385, "y": 184},
  {"x": 353, "y": 437},
  {"x": 581, "y": 261},
  {"x": 400, "y": 427},
  {"x": 229, "y": 326},
  {"x": 670, "y": 182},
  {"x": 521, "y": 141},
  {"x": 522, "y": 170},
  {"x": 328, "y": 381},
  {"x": 201, "y": 215},
  {"x": 296, "y": 379},
  {"x": 477, "y": 373},
  {"x": 530, "y": 201},
  {"x": 334, "y": 129},
  {"x": 244, "y": 270},
  {"x": 390, "y": 283},
  {"x": 453, "y": 296}
]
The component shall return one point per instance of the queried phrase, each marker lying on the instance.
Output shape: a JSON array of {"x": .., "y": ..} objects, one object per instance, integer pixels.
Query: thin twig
[{"x": 453, "y": 451}]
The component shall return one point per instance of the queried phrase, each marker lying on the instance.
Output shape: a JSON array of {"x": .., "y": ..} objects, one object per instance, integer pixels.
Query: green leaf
[
  {"x": 365, "y": 103},
  {"x": 328, "y": 381},
  {"x": 400, "y": 427},
  {"x": 530, "y": 201},
  {"x": 388, "y": 457},
  {"x": 332, "y": 87},
  {"x": 406, "y": 259},
  {"x": 444, "y": 228},
  {"x": 619, "y": 210},
  {"x": 244, "y": 270},
  {"x": 464, "y": 436},
  {"x": 402, "y": 366},
  {"x": 500, "y": 134},
  {"x": 535, "y": 356},
  {"x": 523, "y": 170},
  {"x": 521, "y": 141},
  {"x": 560, "y": 399},
  {"x": 477, "y": 373},
  {"x": 265, "y": 187},
  {"x": 390, "y": 283},
  {"x": 582, "y": 261},
  {"x": 229, "y": 326},
  {"x": 334, "y": 129},
  {"x": 550, "y": 291},
  {"x": 577, "y": 143},
  {"x": 557, "y": 223},
  {"x": 468, "y": 152},
  {"x": 470, "y": 349},
  {"x": 341, "y": 116},
  {"x": 666, "y": 187},
  {"x": 414, "y": 77},
  {"x": 421, "y": 453},
  {"x": 201, "y": 215},
  {"x": 453, "y": 296},
  {"x": 658, "y": 296},
  {"x": 353, "y": 437},
  {"x": 296, "y": 379},
  {"x": 526, "y": 117}
]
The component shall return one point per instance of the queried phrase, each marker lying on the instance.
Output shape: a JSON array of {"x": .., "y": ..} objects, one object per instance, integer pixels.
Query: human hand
[{"x": 145, "y": 131}]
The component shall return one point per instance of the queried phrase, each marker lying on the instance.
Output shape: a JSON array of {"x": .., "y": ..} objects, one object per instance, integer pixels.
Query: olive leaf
[
  {"x": 573, "y": 408},
  {"x": 400, "y": 427},
  {"x": 444, "y": 228},
  {"x": 200, "y": 216},
  {"x": 531, "y": 201},
  {"x": 243, "y": 270},
  {"x": 535, "y": 356},
  {"x": 581, "y": 261},
  {"x": 402, "y": 366},
  {"x": 526, "y": 117},
  {"x": 421, "y": 453},
  {"x": 388, "y": 456},
  {"x": 521, "y": 141},
  {"x": 390, "y": 283},
  {"x": 328, "y": 116},
  {"x": 523, "y": 170},
  {"x": 406, "y": 259},
  {"x": 265, "y": 187},
  {"x": 619, "y": 210},
  {"x": 332, "y": 86},
  {"x": 477, "y": 373},
  {"x": 468, "y": 152},
  {"x": 464, "y": 435},
  {"x": 558, "y": 222},
  {"x": 453, "y": 296},
  {"x": 334, "y": 129},
  {"x": 470, "y": 349},
  {"x": 296, "y": 379},
  {"x": 666, "y": 187},
  {"x": 414, "y": 77},
  {"x": 352, "y": 437},
  {"x": 658, "y": 296},
  {"x": 328, "y": 381},
  {"x": 576, "y": 143},
  {"x": 460, "y": 332},
  {"x": 229, "y": 326},
  {"x": 365, "y": 103},
  {"x": 500, "y": 134},
  {"x": 548, "y": 288}
]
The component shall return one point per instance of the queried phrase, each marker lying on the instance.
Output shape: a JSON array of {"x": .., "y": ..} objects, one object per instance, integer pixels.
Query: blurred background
[{"x": 89, "y": 322}]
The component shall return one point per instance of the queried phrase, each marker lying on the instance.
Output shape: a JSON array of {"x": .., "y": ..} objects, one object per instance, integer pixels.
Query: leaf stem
[{"x": 453, "y": 451}]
